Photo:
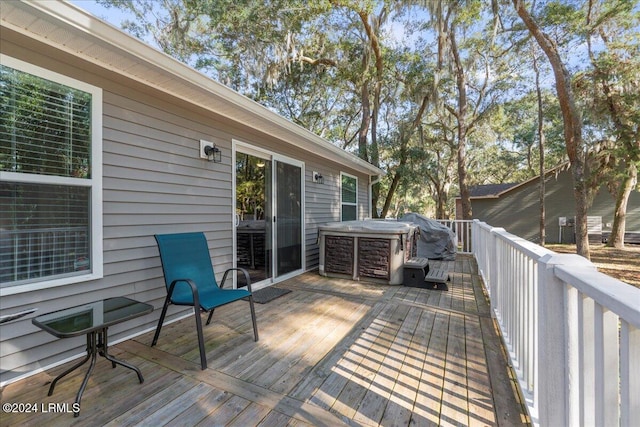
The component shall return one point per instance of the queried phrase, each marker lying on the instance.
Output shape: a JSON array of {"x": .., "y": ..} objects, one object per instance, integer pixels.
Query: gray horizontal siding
[
  {"x": 323, "y": 203},
  {"x": 153, "y": 182}
]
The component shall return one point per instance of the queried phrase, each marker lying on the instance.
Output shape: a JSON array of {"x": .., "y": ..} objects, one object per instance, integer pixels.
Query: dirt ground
[{"x": 623, "y": 264}]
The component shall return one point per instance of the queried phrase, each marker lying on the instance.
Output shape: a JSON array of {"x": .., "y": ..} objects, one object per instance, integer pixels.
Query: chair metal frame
[{"x": 196, "y": 298}]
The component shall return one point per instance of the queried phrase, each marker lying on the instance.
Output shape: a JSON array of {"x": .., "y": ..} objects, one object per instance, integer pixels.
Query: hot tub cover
[
  {"x": 369, "y": 226},
  {"x": 436, "y": 240}
]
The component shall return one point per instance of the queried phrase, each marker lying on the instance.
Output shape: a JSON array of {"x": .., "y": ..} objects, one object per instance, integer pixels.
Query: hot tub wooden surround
[{"x": 371, "y": 250}]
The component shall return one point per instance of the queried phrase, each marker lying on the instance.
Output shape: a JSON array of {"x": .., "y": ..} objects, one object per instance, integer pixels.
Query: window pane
[
  {"x": 348, "y": 189},
  {"x": 44, "y": 231},
  {"x": 45, "y": 127},
  {"x": 349, "y": 212}
]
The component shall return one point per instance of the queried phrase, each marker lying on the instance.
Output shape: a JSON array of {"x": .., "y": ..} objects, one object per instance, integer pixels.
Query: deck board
[{"x": 331, "y": 352}]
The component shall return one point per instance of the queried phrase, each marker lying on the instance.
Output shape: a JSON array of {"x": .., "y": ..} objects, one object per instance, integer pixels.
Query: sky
[
  {"x": 115, "y": 16},
  {"x": 112, "y": 15}
]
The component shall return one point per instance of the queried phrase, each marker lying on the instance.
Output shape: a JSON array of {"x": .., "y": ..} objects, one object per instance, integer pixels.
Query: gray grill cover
[{"x": 436, "y": 240}]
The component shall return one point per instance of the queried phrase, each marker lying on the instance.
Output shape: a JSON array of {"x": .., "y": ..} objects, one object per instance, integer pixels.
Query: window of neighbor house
[
  {"x": 349, "y": 197},
  {"x": 50, "y": 178}
]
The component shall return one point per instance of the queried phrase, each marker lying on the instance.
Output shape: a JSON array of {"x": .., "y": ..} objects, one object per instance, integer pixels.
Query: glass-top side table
[{"x": 92, "y": 320}]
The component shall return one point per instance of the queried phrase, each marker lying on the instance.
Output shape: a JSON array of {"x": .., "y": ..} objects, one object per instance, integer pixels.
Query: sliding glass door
[
  {"x": 253, "y": 216},
  {"x": 269, "y": 215},
  {"x": 288, "y": 222}
]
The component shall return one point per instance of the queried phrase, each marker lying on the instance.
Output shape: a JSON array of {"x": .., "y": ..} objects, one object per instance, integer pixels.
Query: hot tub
[{"x": 373, "y": 251}]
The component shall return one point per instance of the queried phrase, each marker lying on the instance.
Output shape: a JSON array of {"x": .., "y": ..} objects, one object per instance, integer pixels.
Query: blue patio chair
[{"x": 190, "y": 280}]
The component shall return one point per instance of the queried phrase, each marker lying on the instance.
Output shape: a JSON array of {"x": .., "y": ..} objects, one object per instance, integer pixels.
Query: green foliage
[
  {"x": 251, "y": 176},
  {"x": 325, "y": 64}
]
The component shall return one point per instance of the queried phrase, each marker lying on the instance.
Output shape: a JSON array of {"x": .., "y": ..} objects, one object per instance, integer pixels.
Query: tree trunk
[
  {"x": 441, "y": 208},
  {"x": 363, "y": 152},
  {"x": 630, "y": 143},
  {"x": 465, "y": 195},
  {"x": 406, "y": 133},
  {"x": 373, "y": 153},
  {"x": 442, "y": 194},
  {"x": 461, "y": 116},
  {"x": 572, "y": 125},
  {"x": 392, "y": 189},
  {"x": 541, "y": 141},
  {"x": 616, "y": 240}
]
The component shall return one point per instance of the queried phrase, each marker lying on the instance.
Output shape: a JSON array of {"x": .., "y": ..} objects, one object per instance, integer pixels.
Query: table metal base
[{"x": 96, "y": 345}]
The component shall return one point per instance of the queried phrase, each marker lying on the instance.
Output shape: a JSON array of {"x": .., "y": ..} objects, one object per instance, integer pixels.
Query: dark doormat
[{"x": 265, "y": 295}]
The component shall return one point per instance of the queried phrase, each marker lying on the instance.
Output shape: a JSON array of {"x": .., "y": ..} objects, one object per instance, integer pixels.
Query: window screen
[{"x": 349, "y": 197}]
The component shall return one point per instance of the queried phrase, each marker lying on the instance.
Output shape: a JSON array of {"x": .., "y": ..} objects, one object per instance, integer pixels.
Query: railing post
[
  {"x": 494, "y": 263},
  {"x": 629, "y": 374},
  {"x": 557, "y": 365},
  {"x": 477, "y": 249}
]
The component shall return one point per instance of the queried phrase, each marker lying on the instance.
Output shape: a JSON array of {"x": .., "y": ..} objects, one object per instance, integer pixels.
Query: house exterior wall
[
  {"x": 518, "y": 210},
  {"x": 153, "y": 182},
  {"x": 323, "y": 203}
]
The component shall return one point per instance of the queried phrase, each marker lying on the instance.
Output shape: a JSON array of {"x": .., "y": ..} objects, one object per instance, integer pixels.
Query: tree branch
[{"x": 319, "y": 61}]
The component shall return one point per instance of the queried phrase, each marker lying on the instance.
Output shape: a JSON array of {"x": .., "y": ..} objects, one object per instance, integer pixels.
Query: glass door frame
[{"x": 245, "y": 148}]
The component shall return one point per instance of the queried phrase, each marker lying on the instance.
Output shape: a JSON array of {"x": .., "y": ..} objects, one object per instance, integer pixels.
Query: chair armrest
[
  {"x": 194, "y": 290},
  {"x": 246, "y": 276}
]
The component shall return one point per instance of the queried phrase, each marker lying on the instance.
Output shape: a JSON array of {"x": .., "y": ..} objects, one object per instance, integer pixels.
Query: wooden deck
[{"x": 331, "y": 352}]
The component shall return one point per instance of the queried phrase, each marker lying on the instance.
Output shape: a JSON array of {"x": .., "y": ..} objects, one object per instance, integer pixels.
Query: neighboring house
[
  {"x": 102, "y": 146},
  {"x": 516, "y": 208}
]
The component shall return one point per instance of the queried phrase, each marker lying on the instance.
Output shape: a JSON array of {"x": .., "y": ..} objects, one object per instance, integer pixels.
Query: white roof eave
[{"x": 69, "y": 28}]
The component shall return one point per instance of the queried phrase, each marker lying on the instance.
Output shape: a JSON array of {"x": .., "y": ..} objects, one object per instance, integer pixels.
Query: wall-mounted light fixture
[
  {"x": 317, "y": 178},
  {"x": 209, "y": 151}
]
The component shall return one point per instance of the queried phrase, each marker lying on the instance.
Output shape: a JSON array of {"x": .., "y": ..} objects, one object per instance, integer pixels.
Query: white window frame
[
  {"x": 94, "y": 183},
  {"x": 342, "y": 202}
]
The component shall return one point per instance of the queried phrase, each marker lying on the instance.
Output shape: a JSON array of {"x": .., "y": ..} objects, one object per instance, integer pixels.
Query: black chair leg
[
  {"x": 253, "y": 318},
  {"x": 203, "y": 354},
  {"x": 210, "y": 316},
  {"x": 164, "y": 312}
]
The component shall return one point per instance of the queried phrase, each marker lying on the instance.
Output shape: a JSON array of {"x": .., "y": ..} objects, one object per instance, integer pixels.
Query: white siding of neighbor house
[{"x": 153, "y": 182}]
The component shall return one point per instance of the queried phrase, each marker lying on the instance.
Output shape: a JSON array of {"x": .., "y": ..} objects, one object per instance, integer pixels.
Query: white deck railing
[
  {"x": 462, "y": 229},
  {"x": 573, "y": 334}
]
